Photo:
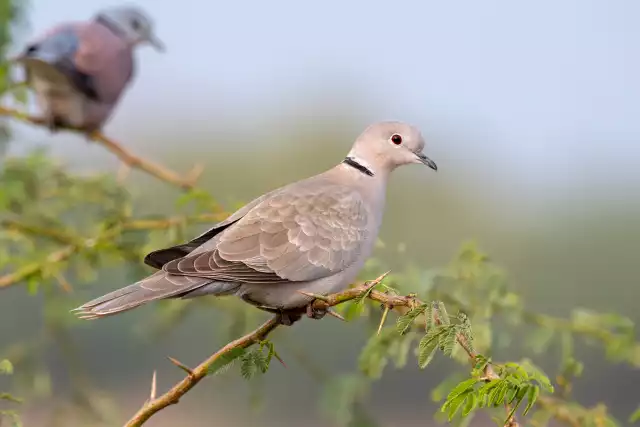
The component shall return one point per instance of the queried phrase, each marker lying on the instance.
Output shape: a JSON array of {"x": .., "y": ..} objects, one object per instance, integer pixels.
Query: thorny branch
[
  {"x": 126, "y": 156},
  {"x": 155, "y": 404},
  {"x": 401, "y": 304}
]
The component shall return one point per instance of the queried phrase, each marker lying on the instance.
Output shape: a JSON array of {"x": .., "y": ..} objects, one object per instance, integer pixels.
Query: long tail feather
[{"x": 157, "y": 286}]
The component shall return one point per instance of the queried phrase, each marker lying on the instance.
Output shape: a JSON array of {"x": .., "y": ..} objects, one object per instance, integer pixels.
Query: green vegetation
[{"x": 60, "y": 230}]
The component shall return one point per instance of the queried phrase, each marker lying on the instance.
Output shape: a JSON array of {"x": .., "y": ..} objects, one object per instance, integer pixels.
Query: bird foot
[
  {"x": 316, "y": 313},
  {"x": 285, "y": 317},
  {"x": 52, "y": 123},
  {"x": 319, "y": 313},
  {"x": 288, "y": 318}
]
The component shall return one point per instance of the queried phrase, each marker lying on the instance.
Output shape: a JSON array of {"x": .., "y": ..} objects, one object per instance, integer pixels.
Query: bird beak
[
  {"x": 427, "y": 161},
  {"x": 156, "y": 43}
]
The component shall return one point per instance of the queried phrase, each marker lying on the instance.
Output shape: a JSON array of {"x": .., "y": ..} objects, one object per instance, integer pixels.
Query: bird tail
[{"x": 159, "y": 285}]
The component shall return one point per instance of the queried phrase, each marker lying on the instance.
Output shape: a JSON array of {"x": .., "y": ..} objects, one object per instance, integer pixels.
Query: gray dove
[
  {"x": 79, "y": 70},
  {"x": 312, "y": 236}
]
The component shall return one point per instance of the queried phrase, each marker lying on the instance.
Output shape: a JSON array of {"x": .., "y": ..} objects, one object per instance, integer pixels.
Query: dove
[
  {"x": 79, "y": 70},
  {"x": 307, "y": 238}
]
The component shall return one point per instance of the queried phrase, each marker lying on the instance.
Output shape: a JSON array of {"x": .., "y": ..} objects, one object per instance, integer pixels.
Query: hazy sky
[{"x": 548, "y": 90}]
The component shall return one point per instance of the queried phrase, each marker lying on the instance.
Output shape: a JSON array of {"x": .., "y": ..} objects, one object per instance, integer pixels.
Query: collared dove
[
  {"x": 312, "y": 236},
  {"x": 79, "y": 70}
]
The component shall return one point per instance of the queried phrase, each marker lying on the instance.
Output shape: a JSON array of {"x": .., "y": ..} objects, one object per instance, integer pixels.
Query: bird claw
[
  {"x": 319, "y": 313},
  {"x": 288, "y": 318},
  {"x": 315, "y": 313},
  {"x": 52, "y": 123}
]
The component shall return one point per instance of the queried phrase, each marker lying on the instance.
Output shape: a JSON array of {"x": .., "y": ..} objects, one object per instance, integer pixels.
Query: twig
[
  {"x": 198, "y": 373},
  {"x": 58, "y": 256},
  {"x": 66, "y": 238},
  {"x": 162, "y": 223},
  {"x": 126, "y": 156},
  {"x": 35, "y": 267},
  {"x": 73, "y": 242}
]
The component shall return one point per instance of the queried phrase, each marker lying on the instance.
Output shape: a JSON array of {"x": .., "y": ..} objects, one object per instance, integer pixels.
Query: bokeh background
[{"x": 529, "y": 109}]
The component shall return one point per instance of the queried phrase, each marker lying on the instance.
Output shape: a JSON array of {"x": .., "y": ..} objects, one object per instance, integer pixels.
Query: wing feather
[{"x": 298, "y": 235}]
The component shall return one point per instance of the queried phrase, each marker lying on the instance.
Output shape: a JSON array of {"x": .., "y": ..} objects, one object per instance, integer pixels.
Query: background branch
[{"x": 126, "y": 156}]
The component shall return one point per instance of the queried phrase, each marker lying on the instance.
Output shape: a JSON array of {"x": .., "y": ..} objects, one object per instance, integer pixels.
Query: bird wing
[
  {"x": 106, "y": 58},
  {"x": 206, "y": 240},
  {"x": 58, "y": 48},
  {"x": 306, "y": 233}
]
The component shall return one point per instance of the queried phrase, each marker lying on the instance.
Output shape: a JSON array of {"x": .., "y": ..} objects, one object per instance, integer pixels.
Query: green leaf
[
  {"x": 490, "y": 385},
  {"x": 449, "y": 339},
  {"x": 532, "y": 395},
  {"x": 442, "y": 390},
  {"x": 225, "y": 360},
  {"x": 452, "y": 406},
  {"x": 470, "y": 404},
  {"x": 635, "y": 417},
  {"x": 463, "y": 387},
  {"x": 406, "y": 321},
  {"x": 353, "y": 310},
  {"x": 442, "y": 313},
  {"x": 427, "y": 349},
  {"x": 248, "y": 367}
]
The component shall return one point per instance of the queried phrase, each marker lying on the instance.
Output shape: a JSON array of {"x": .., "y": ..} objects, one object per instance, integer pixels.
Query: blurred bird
[
  {"x": 312, "y": 236},
  {"x": 79, "y": 70}
]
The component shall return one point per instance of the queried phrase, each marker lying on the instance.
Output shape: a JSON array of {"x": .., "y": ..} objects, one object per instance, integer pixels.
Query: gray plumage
[
  {"x": 313, "y": 235},
  {"x": 79, "y": 70}
]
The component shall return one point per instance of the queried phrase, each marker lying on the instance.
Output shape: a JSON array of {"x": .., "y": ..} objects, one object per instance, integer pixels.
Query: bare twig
[
  {"x": 162, "y": 223},
  {"x": 198, "y": 373},
  {"x": 126, "y": 156}
]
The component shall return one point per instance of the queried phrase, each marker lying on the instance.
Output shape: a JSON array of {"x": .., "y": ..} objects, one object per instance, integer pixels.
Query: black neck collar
[{"x": 354, "y": 164}]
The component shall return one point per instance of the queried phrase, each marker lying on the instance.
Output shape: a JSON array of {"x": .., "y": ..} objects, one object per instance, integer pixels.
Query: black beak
[{"x": 427, "y": 161}]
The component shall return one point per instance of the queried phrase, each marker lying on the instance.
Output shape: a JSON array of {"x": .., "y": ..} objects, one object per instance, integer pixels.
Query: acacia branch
[
  {"x": 126, "y": 156},
  {"x": 398, "y": 303},
  {"x": 155, "y": 404}
]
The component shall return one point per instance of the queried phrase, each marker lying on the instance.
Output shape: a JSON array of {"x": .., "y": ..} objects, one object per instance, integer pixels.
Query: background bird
[
  {"x": 79, "y": 70},
  {"x": 313, "y": 236}
]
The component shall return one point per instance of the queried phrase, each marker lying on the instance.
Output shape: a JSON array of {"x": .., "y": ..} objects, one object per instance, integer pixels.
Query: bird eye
[
  {"x": 396, "y": 139},
  {"x": 136, "y": 24}
]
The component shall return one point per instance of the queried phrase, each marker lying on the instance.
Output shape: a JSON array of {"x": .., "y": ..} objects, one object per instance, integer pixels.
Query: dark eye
[
  {"x": 396, "y": 139},
  {"x": 135, "y": 24}
]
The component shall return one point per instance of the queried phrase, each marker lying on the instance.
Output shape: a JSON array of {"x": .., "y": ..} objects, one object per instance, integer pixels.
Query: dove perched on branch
[
  {"x": 79, "y": 70},
  {"x": 312, "y": 236}
]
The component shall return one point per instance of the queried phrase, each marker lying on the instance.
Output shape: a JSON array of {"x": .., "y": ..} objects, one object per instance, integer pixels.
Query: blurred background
[{"x": 530, "y": 111}]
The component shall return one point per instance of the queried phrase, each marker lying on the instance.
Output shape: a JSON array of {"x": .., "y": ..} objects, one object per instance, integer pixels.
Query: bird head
[
  {"x": 133, "y": 24},
  {"x": 388, "y": 145}
]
